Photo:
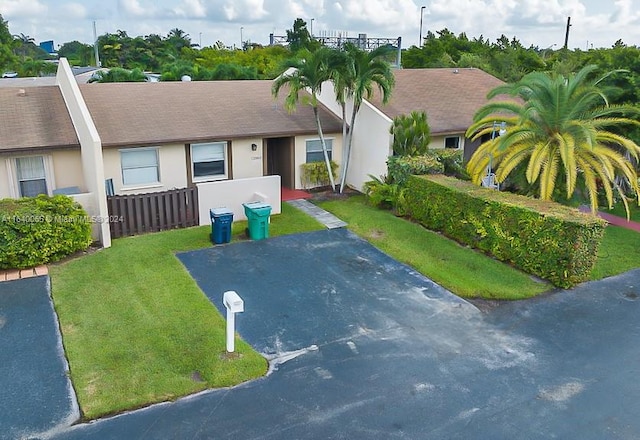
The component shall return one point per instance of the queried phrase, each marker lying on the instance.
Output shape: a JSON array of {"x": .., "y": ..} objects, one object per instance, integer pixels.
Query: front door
[{"x": 279, "y": 160}]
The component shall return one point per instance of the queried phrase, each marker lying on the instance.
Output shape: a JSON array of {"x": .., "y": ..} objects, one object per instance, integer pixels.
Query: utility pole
[
  {"x": 566, "y": 35},
  {"x": 95, "y": 44},
  {"x": 421, "y": 12}
]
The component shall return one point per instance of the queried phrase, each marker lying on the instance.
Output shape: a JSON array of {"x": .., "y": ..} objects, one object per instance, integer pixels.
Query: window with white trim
[
  {"x": 31, "y": 174},
  {"x": 140, "y": 166},
  {"x": 209, "y": 161},
  {"x": 314, "y": 150},
  {"x": 452, "y": 142}
]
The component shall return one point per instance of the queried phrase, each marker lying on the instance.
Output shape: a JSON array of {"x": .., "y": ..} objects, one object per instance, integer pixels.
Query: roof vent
[
  {"x": 22, "y": 92},
  {"x": 456, "y": 71},
  {"x": 185, "y": 78}
]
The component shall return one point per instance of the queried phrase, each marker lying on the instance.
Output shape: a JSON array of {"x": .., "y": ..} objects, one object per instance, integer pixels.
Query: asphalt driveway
[
  {"x": 36, "y": 397},
  {"x": 364, "y": 348}
]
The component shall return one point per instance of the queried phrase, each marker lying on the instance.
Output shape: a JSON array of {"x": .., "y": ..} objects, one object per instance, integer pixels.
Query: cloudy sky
[{"x": 595, "y": 23}]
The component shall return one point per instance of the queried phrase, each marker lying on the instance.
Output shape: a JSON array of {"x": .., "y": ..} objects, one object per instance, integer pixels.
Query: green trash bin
[{"x": 258, "y": 216}]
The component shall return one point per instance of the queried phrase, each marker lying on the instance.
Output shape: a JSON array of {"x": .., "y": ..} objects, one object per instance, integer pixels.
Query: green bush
[
  {"x": 401, "y": 167},
  {"x": 314, "y": 174},
  {"x": 452, "y": 161},
  {"x": 546, "y": 239},
  {"x": 382, "y": 193},
  {"x": 42, "y": 229},
  {"x": 411, "y": 134}
]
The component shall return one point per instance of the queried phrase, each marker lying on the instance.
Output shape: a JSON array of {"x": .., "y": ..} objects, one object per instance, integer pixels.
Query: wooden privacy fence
[{"x": 152, "y": 212}]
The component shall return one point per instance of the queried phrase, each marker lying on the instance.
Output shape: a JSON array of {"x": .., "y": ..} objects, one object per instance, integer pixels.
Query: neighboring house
[
  {"x": 232, "y": 139},
  {"x": 449, "y": 96},
  {"x": 39, "y": 149}
]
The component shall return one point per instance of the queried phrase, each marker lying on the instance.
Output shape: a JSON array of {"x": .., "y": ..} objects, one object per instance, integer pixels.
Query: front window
[
  {"x": 139, "y": 166},
  {"x": 209, "y": 161},
  {"x": 32, "y": 176},
  {"x": 452, "y": 142},
  {"x": 314, "y": 150}
]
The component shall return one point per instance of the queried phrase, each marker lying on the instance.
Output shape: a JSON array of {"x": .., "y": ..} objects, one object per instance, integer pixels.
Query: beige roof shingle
[
  {"x": 166, "y": 112},
  {"x": 449, "y": 99},
  {"x": 34, "y": 117}
]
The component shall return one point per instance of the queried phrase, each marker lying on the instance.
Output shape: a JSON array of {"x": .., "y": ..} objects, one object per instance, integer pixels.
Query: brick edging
[{"x": 17, "y": 274}]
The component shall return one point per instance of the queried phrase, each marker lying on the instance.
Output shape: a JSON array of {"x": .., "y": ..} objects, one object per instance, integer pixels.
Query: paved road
[
  {"x": 35, "y": 393},
  {"x": 365, "y": 348}
]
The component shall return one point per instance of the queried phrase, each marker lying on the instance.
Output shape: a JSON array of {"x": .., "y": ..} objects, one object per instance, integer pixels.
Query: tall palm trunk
[
  {"x": 348, "y": 147},
  {"x": 324, "y": 148},
  {"x": 345, "y": 146}
]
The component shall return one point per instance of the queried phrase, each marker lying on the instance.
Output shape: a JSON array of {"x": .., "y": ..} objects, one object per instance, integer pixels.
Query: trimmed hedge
[
  {"x": 440, "y": 161},
  {"x": 40, "y": 230},
  {"x": 549, "y": 240},
  {"x": 401, "y": 167}
]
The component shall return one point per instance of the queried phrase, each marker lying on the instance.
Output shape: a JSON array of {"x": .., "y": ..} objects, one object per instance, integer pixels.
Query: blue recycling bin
[
  {"x": 258, "y": 217},
  {"x": 221, "y": 220}
]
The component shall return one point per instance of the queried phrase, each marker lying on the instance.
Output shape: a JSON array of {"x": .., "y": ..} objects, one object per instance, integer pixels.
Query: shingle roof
[
  {"x": 450, "y": 99},
  {"x": 34, "y": 117},
  {"x": 164, "y": 112}
]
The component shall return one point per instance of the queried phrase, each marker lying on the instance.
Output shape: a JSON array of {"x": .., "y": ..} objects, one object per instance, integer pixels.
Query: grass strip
[{"x": 461, "y": 270}]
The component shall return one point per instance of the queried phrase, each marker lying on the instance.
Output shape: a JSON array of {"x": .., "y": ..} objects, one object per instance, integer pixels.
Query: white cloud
[
  {"x": 239, "y": 10},
  {"x": 11, "y": 9},
  {"x": 625, "y": 13},
  {"x": 191, "y": 9},
  {"x": 135, "y": 9},
  {"x": 73, "y": 10}
]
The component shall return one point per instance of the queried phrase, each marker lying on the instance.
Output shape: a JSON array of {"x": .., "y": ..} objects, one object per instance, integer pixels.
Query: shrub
[
  {"x": 411, "y": 134},
  {"x": 382, "y": 193},
  {"x": 314, "y": 174},
  {"x": 42, "y": 229},
  {"x": 546, "y": 239},
  {"x": 452, "y": 162},
  {"x": 401, "y": 167}
]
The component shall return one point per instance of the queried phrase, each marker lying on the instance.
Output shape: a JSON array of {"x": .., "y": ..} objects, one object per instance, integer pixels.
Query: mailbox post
[{"x": 234, "y": 304}]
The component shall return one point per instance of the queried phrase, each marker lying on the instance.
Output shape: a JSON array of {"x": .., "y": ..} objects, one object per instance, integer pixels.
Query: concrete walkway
[
  {"x": 324, "y": 217},
  {"x": 614, "y": 219}
]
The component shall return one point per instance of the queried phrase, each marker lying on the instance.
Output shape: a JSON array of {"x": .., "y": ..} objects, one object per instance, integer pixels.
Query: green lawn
[
  {"x": 136, "y": 327},
  {"x": 461, "y": 270},
  {"x": 618, "y": 252}
]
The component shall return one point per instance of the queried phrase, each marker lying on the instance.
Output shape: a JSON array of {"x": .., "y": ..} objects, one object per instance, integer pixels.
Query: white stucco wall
[
  {"x": 246, "y": 163},
  {"x": 90, "y": 145},
  {"x": 231, "y": 194},
  {"x": 5, "y": 192},
  {"x": 371, "y": 146},
  {"x": 301, "y": 154},
  {"x": 67, "y": 168},
  {"x": 63, "y": 169},
  {"x": 173, "y": 170}
]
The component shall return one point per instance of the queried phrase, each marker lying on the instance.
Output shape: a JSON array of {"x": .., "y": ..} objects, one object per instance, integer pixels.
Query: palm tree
[
  {"x": 560, "y": 133},
  {"x": 308, "y": 72},
  {"x": 354, "y": 75}
]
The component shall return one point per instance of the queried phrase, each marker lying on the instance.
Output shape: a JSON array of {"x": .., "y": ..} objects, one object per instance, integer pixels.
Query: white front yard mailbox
[{"x": 234, "y": 304}]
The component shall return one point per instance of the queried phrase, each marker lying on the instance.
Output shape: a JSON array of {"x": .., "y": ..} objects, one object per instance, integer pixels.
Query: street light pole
[
  {"x": 421, "y": 13},
  {"x": 241, "y": 28},
  {"x": 312, "y": 26}
]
